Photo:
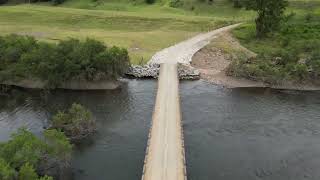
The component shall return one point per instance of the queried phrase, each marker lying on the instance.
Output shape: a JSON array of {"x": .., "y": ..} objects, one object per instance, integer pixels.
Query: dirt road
[
  {"x": 165, "y": 154},
  {"x": 183, "y": 51}
]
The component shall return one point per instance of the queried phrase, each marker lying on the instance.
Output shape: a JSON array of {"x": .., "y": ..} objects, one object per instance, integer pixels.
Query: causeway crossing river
[{"x": 230, "y": 134}]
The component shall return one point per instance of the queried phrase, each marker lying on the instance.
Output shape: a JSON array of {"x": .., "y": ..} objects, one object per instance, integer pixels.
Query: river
[{"x": 230, "y": 134}]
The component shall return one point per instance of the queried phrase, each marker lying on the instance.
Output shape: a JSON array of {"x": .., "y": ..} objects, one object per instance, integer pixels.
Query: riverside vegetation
[
  {"x": 287, "y": 54},
  {"x": 23, "y": 57},
  {"x": 28, "y": 157},
  {"x": 77, "y": 123}
]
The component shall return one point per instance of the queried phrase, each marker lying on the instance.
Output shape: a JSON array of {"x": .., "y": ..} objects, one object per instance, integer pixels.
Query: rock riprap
[{"x": 152, "y": 71}]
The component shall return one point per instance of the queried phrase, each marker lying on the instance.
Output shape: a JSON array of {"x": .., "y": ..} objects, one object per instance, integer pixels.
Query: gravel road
[{"x": 183, "y": 51}]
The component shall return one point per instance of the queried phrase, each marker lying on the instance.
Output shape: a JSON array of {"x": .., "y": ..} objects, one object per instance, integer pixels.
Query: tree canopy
[{"x": 270, "y": 14}]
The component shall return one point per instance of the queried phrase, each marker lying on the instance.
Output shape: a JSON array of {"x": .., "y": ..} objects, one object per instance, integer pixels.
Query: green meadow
[{"x": 142, "y": 29}]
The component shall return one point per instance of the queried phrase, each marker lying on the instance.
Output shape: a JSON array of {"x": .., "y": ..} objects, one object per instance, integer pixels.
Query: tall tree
[{"x": 270, "y": 14}]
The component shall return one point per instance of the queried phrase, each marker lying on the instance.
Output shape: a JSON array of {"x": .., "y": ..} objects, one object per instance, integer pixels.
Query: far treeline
[{"x": 23, "y": 57}]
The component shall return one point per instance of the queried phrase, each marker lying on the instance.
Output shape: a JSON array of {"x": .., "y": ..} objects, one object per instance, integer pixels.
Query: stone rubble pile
[{"x": 152, "y": 71}]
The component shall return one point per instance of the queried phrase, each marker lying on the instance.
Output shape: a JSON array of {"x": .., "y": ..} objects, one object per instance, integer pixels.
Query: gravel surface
[{"x": 183, "y": 51}]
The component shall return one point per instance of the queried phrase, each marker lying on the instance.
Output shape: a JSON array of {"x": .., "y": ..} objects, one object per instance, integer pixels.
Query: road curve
[
  {"x": 183, "y": 51},
  {"x": 165, "y": 159}
]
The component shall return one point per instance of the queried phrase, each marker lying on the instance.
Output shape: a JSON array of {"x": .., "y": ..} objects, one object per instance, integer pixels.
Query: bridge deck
[{"x": 165, "y": 159}]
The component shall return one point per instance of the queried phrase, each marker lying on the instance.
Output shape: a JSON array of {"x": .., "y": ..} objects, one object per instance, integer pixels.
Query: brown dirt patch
[{"x": 213, "y": 60}]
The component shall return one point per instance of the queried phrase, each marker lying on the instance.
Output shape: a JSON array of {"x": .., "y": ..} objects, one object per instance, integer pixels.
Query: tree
[{"x": 270, "y": 14}]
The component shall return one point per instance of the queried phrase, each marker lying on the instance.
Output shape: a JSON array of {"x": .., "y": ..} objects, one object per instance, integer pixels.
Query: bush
[
  {"x": 27, "y": 172},
  {"x": 76, "y": 123},
  {"x": 6, "y": 172},
  {"x": 292, "y": 54},
  {"x": 175, "y": 3},
  {"x": 29, "y": 154},
  {"x": 56, "y": 2},
  {"x": 150, "y": 1},
  {"x": 24, "y": 57}
]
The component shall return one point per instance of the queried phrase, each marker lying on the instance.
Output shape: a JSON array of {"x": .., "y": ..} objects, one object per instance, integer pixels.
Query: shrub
[
  {"x": 56, "y": 2},
  {"x": 175, "y": 3},
  {"x": 29, "y": 154},
  {"x": 290, "y": 54},
  {"x": 150, "y": 1},
  {"x": 6, "y": 172},
  {"x": 76, "y": 123},
  {"x": 27, "y": 172},
  {"x": 91, "y": 60}
]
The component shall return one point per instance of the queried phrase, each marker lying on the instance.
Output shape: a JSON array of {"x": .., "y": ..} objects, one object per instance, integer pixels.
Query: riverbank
[
  {"x": 70, "y": 85},
  {"x": 214, "y": 59}
]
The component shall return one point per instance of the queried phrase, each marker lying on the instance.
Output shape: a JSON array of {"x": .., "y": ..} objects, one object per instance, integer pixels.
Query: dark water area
[{"x": 247, "y": 134}]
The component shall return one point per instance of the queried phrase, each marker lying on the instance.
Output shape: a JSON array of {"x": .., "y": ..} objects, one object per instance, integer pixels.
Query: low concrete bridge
[{"x": 165, "y": 157}]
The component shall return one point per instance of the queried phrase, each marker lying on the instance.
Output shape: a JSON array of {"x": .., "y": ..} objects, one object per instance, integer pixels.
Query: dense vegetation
[
  {"x": 76, "y": 123},
  {"x": 290, "y": 54},
  {"x": 22, "y": 57},
  {"x": 55, "y": 2},
  {"x": 27, "y": 157}
]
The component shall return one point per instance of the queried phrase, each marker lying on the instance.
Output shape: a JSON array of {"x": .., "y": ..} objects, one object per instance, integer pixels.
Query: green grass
[
  {"x": 296, "y": 47},
  {"x": 299, "y": 29},
  {"x": 142, "y": 29}
]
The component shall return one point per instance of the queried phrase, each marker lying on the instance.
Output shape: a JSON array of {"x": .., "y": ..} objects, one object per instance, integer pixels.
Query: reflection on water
[{"x": 234, "y": 134}]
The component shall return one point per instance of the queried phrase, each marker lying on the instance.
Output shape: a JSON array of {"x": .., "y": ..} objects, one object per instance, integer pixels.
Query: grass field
[{"x": 142, "y": 29}]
